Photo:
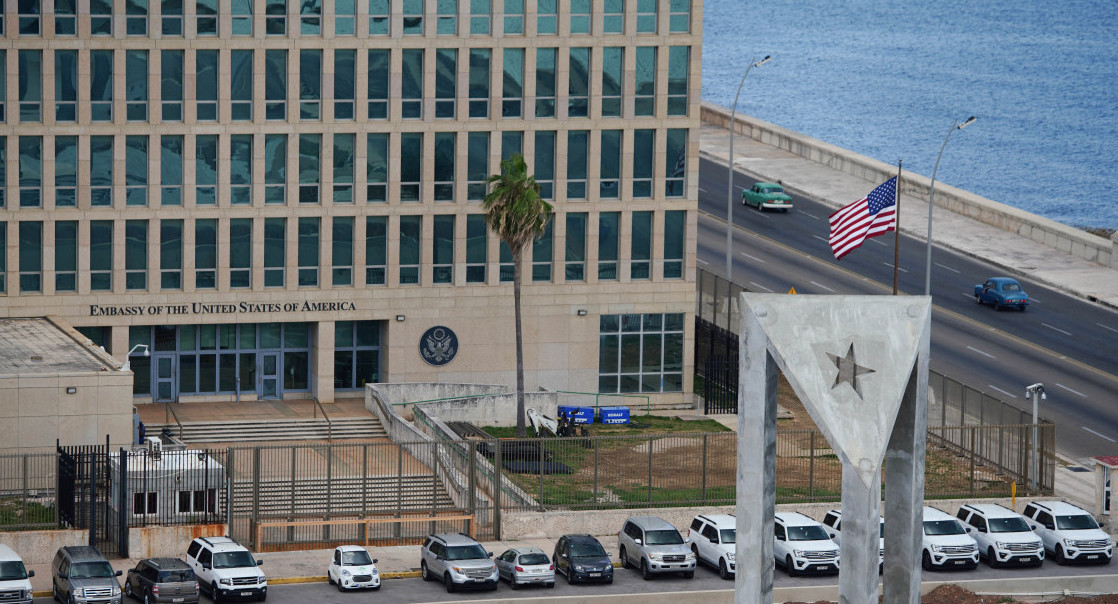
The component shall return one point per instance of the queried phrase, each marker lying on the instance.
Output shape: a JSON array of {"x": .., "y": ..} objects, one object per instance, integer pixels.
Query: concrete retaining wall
[
  {"x": 168, "y": 541},
  {"x": 1041, "y": 230},
  {"x": 551, "y": 525},
  {"x": 38, "y": 547}
]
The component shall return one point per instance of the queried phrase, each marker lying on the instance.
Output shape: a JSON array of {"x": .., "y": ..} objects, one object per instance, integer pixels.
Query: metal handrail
[
  {"x": 329, "y": 425},
  {"x": 168, "y": 407}
]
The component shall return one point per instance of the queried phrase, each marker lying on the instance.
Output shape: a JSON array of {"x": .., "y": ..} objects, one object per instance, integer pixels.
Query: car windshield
[
  {"x": 233, "y": 560},
  {"x": 1007, "y": 525},
  {"x": 807, "y": 533},
  {"x": 943, "y": 527},
  {"x": 665, "y": 537},
  {"x": 533, "y": 558},
  {"x": 356, "y": 558},
  {"x": 1077, "y": 522},
  {"x": 1011, "y": 287},
  {"x": 588, "y": 549},
  {"x": 465, "y": 552},
  {"x": 10, "y": 571},
  {"x": 176, "y": 576},
  {"x": 91, "y": 570}
]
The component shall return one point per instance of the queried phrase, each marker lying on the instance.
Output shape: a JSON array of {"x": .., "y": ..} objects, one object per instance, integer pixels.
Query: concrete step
[
  {"x": 344, "y": 495},
  {"x": 343, "y": 428}
]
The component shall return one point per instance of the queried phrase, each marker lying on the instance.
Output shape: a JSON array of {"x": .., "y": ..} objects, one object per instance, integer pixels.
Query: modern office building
[{"x": 282, "y": 198}]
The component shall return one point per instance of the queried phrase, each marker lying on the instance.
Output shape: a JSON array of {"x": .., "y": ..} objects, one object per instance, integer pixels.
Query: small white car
[
  {"x": 526, "y": 566},
  {"x": 803, "y": 545},
  {"x": 1004, "y": 537},
  {"x": 713, "y": 538},
  {"x": 946, "y": 543},
  {"x": 833, "y": 521},
  {"x": 1069, "y": 532},
  {"x": 353, "y": 568}
]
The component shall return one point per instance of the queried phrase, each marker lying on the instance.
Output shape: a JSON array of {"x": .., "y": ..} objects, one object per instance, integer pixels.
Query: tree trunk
[{"x": 521, "y": 428}]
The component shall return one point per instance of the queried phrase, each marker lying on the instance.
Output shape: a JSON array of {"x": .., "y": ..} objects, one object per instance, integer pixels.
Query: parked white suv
[
  {"x": 803, "y": 545},
  {"x": 14, "y": 584},
  {"x": 1004, "y": 537},
  {"x": 226, "y": 569},
  {"x": 946, "y": 543},
  {"x": 1069, "y": 532},
  {"x": 712, "y": 538},
  {"x": 833, "y": 520}
]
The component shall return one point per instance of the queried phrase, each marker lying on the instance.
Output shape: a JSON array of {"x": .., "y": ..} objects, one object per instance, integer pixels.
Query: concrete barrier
[
  {"x": 168, "y": 541},
  {"x": 1036, "y": 228},
  {"x": 38, "y": 547}
]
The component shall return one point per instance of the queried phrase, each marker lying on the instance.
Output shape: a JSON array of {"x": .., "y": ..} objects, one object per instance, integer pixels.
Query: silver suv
[
  {"x": 458, "y": 561},
  {"x": 654, "y": 546},
  {"x": 80, "y": 574}
]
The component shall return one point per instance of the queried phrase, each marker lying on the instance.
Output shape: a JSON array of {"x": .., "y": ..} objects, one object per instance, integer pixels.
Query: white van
[
  {"x": 946, "y": 543},
  {"x": 14, "y": 577}
]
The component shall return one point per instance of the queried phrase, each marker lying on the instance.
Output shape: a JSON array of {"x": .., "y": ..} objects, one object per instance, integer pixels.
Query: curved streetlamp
[
  {"x": 127, "y": 366},
  {"x": 730, "y": 186},
  {"x": 931, "y": 202}
]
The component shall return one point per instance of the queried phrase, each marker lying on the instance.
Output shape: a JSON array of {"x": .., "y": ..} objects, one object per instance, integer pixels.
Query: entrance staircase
[{"x": 269, "y": 430}]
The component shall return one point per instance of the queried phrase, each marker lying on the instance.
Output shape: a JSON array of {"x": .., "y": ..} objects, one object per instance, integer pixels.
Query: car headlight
[
  {"x": 937, "y": 548},
  {"x": 346, "y": 573},
  {"x": 731, "y": 556},
  {"x": 579, "y": 568},
  {"x": 657, "y": 557},
  {"x": 798, "y": 553},
  {"x": 690, "y": 557},
  {"x": 116, "y": 590},
  {"x": 457, "y": 570},
  {"x": 225, "y": 581},
  {"x": 375, "y": 572}
]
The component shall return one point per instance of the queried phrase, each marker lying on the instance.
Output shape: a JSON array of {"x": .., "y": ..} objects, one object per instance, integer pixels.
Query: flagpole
[{"x": 897, "y": 232}]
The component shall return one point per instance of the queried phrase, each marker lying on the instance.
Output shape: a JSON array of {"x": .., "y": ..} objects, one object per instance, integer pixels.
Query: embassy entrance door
[
  {"x": 269, "y": 380},
  {"x": 166, "y": 378}
]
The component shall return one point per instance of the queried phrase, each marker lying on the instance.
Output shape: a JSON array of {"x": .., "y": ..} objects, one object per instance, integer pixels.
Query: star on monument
[{"x": 848, "y": 370}]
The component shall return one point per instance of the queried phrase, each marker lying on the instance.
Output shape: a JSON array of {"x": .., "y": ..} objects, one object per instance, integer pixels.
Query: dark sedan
[
  {"x": 1001, "y": 291},
  {"x": 582, "y": 559}
]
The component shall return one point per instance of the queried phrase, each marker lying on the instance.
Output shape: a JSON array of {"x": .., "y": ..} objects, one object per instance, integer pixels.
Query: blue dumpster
[
  {"x": 614, "y": 415},
  {"x": 577, "y": 415}
]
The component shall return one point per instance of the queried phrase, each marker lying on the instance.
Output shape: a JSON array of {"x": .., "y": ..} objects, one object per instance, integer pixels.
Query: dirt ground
[{"x": 953, "y": 594}]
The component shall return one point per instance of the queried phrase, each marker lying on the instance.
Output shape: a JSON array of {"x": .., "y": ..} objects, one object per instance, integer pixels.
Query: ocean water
[{"x": 888, "y": 79}]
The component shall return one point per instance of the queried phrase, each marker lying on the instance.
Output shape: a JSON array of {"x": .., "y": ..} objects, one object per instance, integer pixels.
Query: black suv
[
  {"x": 581, "y": 558},
  {"x": 162, "y": 580}
]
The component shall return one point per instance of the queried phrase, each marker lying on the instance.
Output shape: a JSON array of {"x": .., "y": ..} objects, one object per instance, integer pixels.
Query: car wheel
[
  {"x": 926, "y": 561},
  {"x": 128, "y": 589},
  {"x": 695, "y": 550},
  {"x": 512, "y": 583},
  {"x": 570, "y": 581},
  {"x": 54, "y": 593},
  {"x": 788, "y": 566},
  {"x": 978, "y": 299},
  {"x": 340, "y": 586},
  {"x": 450, "y": 586},
  {"x": 147, "y": 597},
  {"x": 1021, "y": 308},
  {"x": 645, "y": 573},
  {"x": 997, "y": 305},
  {"x": 329, "y": 578},
  {"x": 423, "y": 572},
  {"x": 991, "y": 558},
  {"x": 1060, "y": 559},
  {"x": 215, "y": 594},
  {"x": 72, "y": 599},
  {"x": 624, "y": 558},
  {"x": 722, "y": 570},
  {"x": 551, "y": 585}
]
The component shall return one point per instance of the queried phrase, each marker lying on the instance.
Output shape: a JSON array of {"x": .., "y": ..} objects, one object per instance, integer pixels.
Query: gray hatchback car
[
  {"x": 81, "y": 575},
  {"x": 654, "y": 546}
]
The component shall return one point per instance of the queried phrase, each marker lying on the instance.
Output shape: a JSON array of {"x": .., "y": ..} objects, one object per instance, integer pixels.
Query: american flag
[{"x": 868, "y": 217}]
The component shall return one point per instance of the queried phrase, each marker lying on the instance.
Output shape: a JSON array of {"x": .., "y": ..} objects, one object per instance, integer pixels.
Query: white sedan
[{"x": 353, "y": 568}]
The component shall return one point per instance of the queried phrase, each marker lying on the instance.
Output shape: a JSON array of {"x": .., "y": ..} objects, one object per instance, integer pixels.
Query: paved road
[
  {"x": 405, "y": 591},
  {"x": 1063, "y": 341}
]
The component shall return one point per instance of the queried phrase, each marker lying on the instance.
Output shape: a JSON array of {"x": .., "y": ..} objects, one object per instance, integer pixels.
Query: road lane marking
[
  {"x": 999, "y": 389},
  {"x": 823, "y": 286},
  {"x": 702, "y": 190},
  {"x": 1099, "y": 435},
  {"x": 1107, "y": 327},
  {"x": 878, "y": 242},
  {"x": 828, "y": 241},
  {"x": 890, "y": 265},
  {"x": 758, "y": 285},
  {"x": 809, "y": 215},
  {"x": 947, "y": 268},
  {"x": 1066, "y": 333},
  {"x": 701, "y": 261},
  {"x": 985, "y": 354},
  {"x": 753, "y": 258},
  {"x": 1070, "y": 390}
]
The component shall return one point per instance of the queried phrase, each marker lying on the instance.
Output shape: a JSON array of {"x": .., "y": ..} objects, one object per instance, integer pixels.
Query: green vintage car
[{"x": 766, "y": 196}]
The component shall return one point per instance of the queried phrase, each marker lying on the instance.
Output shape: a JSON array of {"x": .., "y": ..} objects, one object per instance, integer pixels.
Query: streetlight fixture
[
  {"x": 932, "y": 198},
  {"x": 1036, "y": 391},
  {"x": 127, "y": 366},
  {"x": 730, "y": 186}
]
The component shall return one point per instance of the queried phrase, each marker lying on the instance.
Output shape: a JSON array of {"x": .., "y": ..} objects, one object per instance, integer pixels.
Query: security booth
[
  {"x": 160, "y": 484},
  {"x": 1104, "y": 469}
]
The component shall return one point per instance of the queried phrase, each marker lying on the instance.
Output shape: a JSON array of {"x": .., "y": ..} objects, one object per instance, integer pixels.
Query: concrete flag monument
[{"x": 859, "y": 366}]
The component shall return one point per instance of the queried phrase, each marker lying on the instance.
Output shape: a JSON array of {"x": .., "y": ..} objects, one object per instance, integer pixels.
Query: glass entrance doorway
[
  {"x": 166, "y": 384},
  {"x": 269, "y": 384}
]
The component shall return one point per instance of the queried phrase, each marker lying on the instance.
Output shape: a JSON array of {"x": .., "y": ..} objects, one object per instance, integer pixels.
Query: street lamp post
[
  {"x": 931, "y": 202},
  {"x": 730, "y": 186},
  {"x": 1037, "y": 392},
  {"x": 127, "y": 366}
]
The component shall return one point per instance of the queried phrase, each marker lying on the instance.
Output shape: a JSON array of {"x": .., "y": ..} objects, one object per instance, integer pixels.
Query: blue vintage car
[{"x": 1001, "y": 291}]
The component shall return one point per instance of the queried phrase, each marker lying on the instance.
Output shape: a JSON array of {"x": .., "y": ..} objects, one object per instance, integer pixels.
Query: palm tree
[{"x": 517, "y": 214}]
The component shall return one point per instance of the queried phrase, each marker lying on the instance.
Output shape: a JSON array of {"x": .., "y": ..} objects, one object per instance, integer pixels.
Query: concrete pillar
[
  {"x": 756, "y": 505},
  {"x": 322, "y": 362},
  {"x": 904, "y": 499},
  {"x": 861, "y": 510},
  {"x": 118, "y": 343}
]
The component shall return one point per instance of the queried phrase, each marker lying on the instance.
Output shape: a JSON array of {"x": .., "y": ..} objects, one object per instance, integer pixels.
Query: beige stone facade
[{"x": 115, "y": 307}]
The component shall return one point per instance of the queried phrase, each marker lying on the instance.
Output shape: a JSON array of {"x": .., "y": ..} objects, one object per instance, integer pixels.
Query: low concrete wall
[
  {"x": 38, "y": 547},
  {"x": 1041, "y": 230},
  {"x": 551, "y": 525},
  {"x": 168, "y": 541}
]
